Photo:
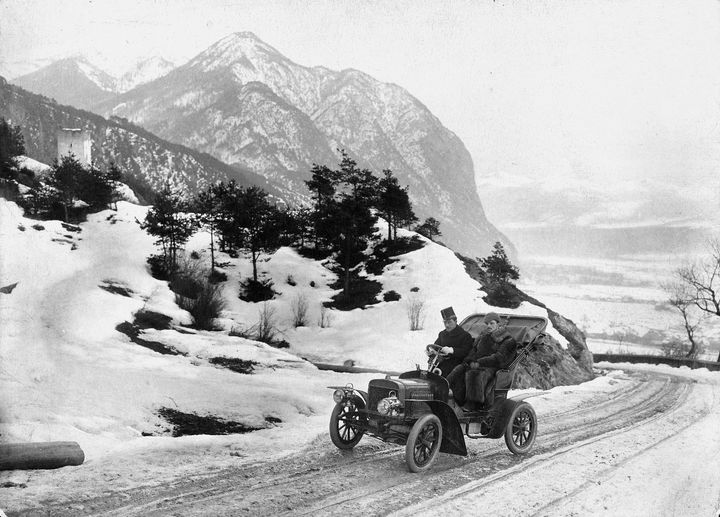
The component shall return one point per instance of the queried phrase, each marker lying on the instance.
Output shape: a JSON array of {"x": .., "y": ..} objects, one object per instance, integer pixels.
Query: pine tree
[
  {"x": 208, "y": 207},
  {"x": 257, "y": 218},
  {"x": 394, "y": 204},
  {"x": 12, "y": 144},
  {"x": 357, "y": 194},
  {"x": 497, "y": 266},
  {"x": 170, "y": 221},
  {"x": 323, "y": 185},
  {"x": 66, "y": 178},
  {"x": 430, "y": 228}
]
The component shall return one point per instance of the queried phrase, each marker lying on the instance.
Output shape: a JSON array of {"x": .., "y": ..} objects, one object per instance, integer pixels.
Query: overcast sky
[{"x": 586, "y": 89}]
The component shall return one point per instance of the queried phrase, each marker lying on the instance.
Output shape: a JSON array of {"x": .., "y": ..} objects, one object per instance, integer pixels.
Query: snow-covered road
[{"x": 597, "y": 452}]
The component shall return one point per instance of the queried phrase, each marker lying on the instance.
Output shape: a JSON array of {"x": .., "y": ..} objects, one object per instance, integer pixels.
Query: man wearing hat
[
  {"x": 455, "y": 341},
  {"x": 494, "y": 349}
]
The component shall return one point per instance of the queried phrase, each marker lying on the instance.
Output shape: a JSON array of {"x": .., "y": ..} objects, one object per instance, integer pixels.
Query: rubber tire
[
  {"x": 420, "y": 428},
  {"x": 348, "y": 437},
  {"x": 521, "y": 429}
]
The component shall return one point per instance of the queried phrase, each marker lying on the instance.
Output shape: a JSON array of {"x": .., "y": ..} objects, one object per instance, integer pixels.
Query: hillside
[
  {"x": 147, "y": 161},
  {"x": 90, "y": 383}
]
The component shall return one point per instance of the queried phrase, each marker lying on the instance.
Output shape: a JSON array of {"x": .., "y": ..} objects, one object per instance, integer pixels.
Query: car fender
[
  {"x": 453, "y": 440},
  {"x": 524, "y": 396},
  {"x": 498, "y": 428}
]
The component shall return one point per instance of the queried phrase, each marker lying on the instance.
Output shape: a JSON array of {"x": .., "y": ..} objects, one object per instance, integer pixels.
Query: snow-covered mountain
[
  {"x": 143, "y": 72},
  {"x": 73, "y": 81},
  {"x": 147, "y": 161},
  {"x": 77, "y": 81},
  {"x": 249, "y": 106}
]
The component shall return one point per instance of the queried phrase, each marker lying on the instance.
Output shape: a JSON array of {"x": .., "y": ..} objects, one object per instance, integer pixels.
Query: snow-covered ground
[
  {"x": 66, "y": 373},
  {"x": 620, "y": 304}
]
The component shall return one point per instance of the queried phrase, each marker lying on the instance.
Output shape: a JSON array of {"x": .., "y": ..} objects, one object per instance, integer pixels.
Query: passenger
[
  {"x": 455, "y": 341},
  {"x": 471, "y": 382}
]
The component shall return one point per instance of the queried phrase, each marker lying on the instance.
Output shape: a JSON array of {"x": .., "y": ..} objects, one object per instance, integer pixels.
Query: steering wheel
[
  {"x": 434, "y": 358},
  {"x": 434, "y": 350}
]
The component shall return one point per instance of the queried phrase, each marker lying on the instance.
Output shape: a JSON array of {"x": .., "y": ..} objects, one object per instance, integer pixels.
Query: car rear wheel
[
  {"x": 423, "y": 443},
  {"x": 344, "y": 431},
  {"x": 521, "y": 429}
]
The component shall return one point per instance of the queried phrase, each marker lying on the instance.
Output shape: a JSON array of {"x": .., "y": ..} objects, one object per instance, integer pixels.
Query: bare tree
[
  {"x": 416, "y": 313},
  {"x": 682, "y": 297},
  {"x": 701, "y": 280}
]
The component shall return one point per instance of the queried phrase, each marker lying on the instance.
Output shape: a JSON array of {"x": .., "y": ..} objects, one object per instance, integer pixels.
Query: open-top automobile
[{"x": 416, "y": 408}]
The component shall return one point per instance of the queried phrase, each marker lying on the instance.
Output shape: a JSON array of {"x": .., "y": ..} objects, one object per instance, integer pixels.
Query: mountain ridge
[
  {"x": 147, "y": 159},
  {"x": 304, "y": 116}
]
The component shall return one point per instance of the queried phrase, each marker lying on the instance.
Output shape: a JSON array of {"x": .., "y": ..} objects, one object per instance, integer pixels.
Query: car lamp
[
  {"x": 338, "y": 396},
  {"x": 389, "y": 406}
]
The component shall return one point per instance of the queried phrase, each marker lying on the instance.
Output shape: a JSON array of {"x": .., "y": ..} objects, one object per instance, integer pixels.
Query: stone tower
[{"x": 77, "y": 142}]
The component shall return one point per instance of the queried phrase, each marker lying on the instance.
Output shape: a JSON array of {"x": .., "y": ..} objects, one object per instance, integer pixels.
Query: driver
[{"x": 455, "y": 341}]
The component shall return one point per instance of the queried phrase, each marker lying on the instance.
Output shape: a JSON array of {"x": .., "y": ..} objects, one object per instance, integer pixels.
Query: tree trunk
[
  {"x": 43, "y": 455},
  {"x": 212, "y": 253}
]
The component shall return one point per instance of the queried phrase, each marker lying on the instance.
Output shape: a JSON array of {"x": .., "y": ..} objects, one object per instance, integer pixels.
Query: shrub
[
  {"x": 266, "y": 330},
  {"x": 205, "y": 307},
  {"x": 217, "y": 276},
  {"x": 363, "y": 292},
  {"x": 391, "y": 296},
  {"x": 194, "y": 255},
  {"x": 299, "y": 306},
  {"x": 414, "y": 289},
  {"x": 326, "y": 317},
  {"x": 416, "y": 313},
  {"x": 256, "y": 291},
  {"x": 197, "y": 294},
  {"x": 681, "y": 350},
  {"x": 502, "y": 294},
  {"x": 160, "y": 267},
  {"x": 150, "y": 319},
  {"x": 291, "y": 280}
]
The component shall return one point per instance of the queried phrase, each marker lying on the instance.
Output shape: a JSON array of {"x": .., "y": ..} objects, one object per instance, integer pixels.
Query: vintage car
[{"x": 415, "y": 409}]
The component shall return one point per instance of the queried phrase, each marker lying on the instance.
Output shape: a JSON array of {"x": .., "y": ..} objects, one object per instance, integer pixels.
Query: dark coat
[
  {"x": 460, "y": 341},
  {"x": 472, "y": 380},
  {"x": 496, "y": 350}
]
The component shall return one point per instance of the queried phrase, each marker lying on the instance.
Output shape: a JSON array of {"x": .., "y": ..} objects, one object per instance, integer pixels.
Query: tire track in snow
[
  {"x": 539, "y": 485},
  {"x": 373, "y": 479}
]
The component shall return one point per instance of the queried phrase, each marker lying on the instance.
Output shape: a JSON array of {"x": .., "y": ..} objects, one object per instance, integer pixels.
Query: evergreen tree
[
  {"x": 95, "y": 188},
  {"x": 323, "y": 185},
  {"x": 12, "y": 144},
  {"x": 497, "y": 266},
  {"x": 430, "y": 228},
  {"x": 168, "y": 220},
  {"x": 394, "y": 204},
  {"x": 66, "y": 178},
  {"x": 208, "y": 207},
  {"x": 357, "y": 194},
  {"x": 258, "y": 220}
]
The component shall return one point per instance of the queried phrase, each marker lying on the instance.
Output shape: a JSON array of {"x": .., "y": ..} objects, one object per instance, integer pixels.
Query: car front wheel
[
  {"x": 344, "y": 431},
  {"x": 423, "y": 443},
  {"x": 521, "y": 429}
]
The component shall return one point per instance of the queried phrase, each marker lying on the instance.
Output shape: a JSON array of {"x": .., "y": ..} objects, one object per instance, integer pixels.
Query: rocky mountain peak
[{"x": 240, "y": 48}]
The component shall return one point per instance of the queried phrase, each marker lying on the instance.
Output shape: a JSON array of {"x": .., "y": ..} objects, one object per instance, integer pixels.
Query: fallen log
[{"x": 40, "y": 455}]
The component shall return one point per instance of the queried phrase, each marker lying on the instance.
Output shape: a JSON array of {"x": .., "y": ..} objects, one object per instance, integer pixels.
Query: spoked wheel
[
  {"x": 423, "y": 443},
  {"x": 344, "y": 432},
  {"x": 521, "y": 429}
]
